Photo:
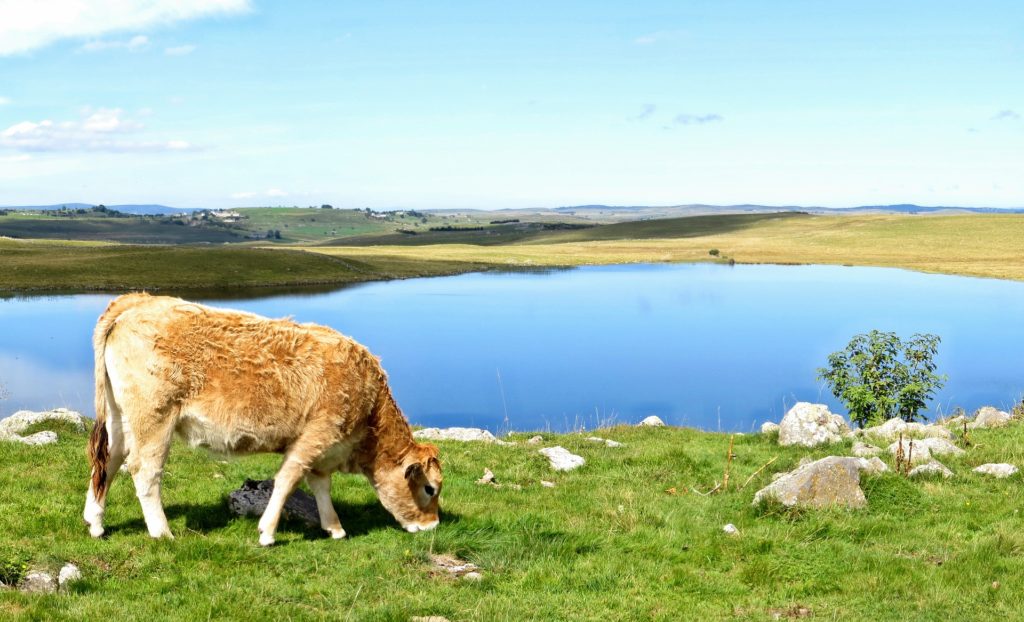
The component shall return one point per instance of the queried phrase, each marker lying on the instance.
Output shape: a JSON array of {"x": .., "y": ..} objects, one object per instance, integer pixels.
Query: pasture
[{"x": 628, "y": 536}]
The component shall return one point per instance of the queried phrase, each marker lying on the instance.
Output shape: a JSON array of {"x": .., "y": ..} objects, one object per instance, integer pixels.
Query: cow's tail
[{"x": 99, "y": 441}]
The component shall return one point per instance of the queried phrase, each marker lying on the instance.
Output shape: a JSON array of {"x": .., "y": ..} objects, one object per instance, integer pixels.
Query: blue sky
[{"x": 512, "y": 104}]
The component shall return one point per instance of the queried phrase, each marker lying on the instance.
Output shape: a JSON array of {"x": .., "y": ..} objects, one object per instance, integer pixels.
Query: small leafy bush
[
  {"x": 879, "y": 377},
  {"x": 713, "y": 252}
]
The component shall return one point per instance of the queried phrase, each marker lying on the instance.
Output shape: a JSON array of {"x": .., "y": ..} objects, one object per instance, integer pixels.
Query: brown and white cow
[{"x": 239, "y": 383}]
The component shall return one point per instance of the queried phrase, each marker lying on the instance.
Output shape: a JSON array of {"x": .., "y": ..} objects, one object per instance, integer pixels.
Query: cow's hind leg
[
  {"x": 96, "y": 504},
  {"x": 320, "y": 484},
  {"x": 146, "y": 464}
]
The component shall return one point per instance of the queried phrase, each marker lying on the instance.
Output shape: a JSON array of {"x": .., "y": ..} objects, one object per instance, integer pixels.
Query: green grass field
[
  {"x": 623, "y": 538},
  {"x": 130, "y": 230}
]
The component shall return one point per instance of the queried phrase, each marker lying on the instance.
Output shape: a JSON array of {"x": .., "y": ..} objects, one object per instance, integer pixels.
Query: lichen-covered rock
[
  {"x": 891, "y": 430},
  {"x": 46, "y": 437},
  {"x": 12, "y": 427},
  {"x": 252, "y": 498},
  {"x": 873, "y": 466},
  {"x": 989, "y": 417},
  {"x": 653, "y": 421},
  {"x": 930, "y": 469},
  {"x": 769, "y": 427},
  {"x": 69, "y": 573},
  {"x": 38, "y": 582},
  {"x": 863, "y": 450},
  {"x": 458, "y": 434},
  {"x": 811, "y": 425},
  {"x": 997, "y": 470},
  {"x": 925, "y": 448},
  {"x": 562, "y": 459},
  {"x": 829, "y": 482}
]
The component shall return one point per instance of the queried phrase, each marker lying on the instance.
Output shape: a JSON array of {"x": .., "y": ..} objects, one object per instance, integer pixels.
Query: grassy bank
[
  {"x": 623, "y": 538},
  {"x": 39, "y": 266},
  {"x": 985, "y": 245}
]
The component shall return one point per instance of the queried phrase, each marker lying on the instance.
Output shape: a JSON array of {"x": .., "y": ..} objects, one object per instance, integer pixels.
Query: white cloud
[
  {"x": 105, "y": 129},
  {"x": 4, "y": 100},
  {"x": 274, "y": 192},
  {"x": 27, "y": 25},
  {"x": 180, "y": 50},
  {"x": 134, "y": 44}
]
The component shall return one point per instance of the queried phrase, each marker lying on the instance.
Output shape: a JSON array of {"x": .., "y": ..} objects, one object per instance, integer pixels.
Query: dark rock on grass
[{"x": 252, "y": 498}]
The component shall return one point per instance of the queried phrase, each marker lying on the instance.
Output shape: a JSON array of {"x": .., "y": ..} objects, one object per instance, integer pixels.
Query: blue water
[{"x": 710, "y": 346}]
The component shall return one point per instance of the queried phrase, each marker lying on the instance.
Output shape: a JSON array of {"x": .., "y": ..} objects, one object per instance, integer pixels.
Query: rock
[
  {"x": 535, "y": 440},
  {"x": 24, "y": 419},
  {"x": 653, "y": 421},
  {"x": 38, "y": 582},
  {"x": 830, "y": 482},
  {"x": 46, "y": 437},
  {"x": 458, "y": 434},
  {"x": 863, "y": 450},
  {"x": 998, "y": 470},
  {"x": 769, "y": 427},
  {"x": 488, "y": 478},
  {"x": 957, "y": 423},
  {"x": 891, "y": 430},
  {"x": 69, "y": 574},
  {"x": 251, "y": 500},
  {"x": 873, "y": 466},
  {"x": 988, "y": 417},
  {"x": 930, "y": 469},
  {"x": 547, "y": 484},
  {"x": 606, "y": 441},
  {"x": 429, "y": 619},
  {"x": 453, "y": 566},
  {"x": 731, "y": 530},
  {"x": 472, "y": 576},
  {"x": 811, "y": 425},
  {"x": 561, "y": 459},
  {"x": 913, "y": 450}
]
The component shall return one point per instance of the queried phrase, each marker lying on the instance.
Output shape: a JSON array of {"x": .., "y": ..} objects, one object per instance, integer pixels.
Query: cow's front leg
[{"x": 320, "y": 484}]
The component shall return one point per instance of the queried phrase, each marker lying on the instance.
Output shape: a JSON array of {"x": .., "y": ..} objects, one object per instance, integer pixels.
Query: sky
[{"x": 475, "y": 104}]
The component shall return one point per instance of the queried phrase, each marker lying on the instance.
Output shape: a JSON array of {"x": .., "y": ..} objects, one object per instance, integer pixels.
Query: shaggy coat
[{"x": 239, "y": 383}]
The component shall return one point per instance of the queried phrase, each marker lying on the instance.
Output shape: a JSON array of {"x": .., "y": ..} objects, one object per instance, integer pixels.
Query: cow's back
[{"x": 235, "y": 381}]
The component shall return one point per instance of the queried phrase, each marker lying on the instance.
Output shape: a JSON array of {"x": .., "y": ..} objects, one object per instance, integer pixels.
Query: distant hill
[
  {"x": 700, "y": 209},
  {"x": 138, "y": 210}
]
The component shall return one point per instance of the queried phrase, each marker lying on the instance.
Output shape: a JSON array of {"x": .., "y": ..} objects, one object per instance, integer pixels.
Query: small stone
[
  {"x": 653, "y": 421},
  {"x": 46, "y": 437},
  {"x": 535, "y": 440},
  {"x": 472, "y": 576},
  {"x": 69, "y": 574},
  {"x": 606, "y": 441},
  {"x": 863, "y": 450},
  {"x": 218, "y": 476},
  {"x": 488, "y": 478},
  {"x": 561, "y": 459},
  {"x": 731, "y": 530},
  {"x": 997, "y": 470},
  {"x": 769, "y": 427},
  {"x": 873, "y": 466},
  {"x": 547, "y": 484},
  {"x": 429, "y": 619},
  {"x": 38, "y": 582},
  {"x": 932, "y": 468}
]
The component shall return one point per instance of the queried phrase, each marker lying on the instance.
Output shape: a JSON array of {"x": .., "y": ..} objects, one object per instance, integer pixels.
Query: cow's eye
[{"x": 429, "y": 490}]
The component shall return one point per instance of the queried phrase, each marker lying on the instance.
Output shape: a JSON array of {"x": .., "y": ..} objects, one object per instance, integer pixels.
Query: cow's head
[{"x": 410, "y": 489}]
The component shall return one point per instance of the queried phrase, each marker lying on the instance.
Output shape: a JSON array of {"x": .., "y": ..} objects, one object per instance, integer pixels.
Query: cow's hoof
[
  {"x": 96, "y": 530},
  {"x": 266, "y": 539},
  {"x": 337, "y": 534}
]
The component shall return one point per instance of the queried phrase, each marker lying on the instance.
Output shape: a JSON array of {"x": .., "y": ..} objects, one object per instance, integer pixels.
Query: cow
[{"x": 239, "y": 383}]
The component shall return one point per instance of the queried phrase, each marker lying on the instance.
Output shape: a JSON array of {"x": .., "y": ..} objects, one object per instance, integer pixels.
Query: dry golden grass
[{"x": 986, "y": 245}]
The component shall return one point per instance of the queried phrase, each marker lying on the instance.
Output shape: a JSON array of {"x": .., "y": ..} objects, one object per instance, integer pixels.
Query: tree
[{"x": 879, "y": 377}]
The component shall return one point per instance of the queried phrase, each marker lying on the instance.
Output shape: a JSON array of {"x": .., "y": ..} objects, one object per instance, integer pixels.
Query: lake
[{"x": 704, "y": 345}]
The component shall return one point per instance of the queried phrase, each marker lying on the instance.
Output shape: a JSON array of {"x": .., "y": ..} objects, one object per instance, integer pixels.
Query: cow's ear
[
  {"x": 413, "y": 469},
  {"x": 434, "y": 462}
]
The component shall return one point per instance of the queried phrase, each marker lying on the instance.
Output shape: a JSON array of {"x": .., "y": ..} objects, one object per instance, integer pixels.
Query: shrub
[
  {"x": 713, "y": 252},
  {"x": 878, "y": 376}
]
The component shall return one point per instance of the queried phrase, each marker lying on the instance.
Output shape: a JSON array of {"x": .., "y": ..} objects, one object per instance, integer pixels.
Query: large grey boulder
[
  {"x": 12, "y": 427},
  {"x": 829, "y": 482},
  {"x": 252, "y": 498},
  {"x": 811, "y": 425},
  {"x": 458, "y": 434},
  {"x": 989, "y": 417},
  {"x": 891, "y": 430},
  {"x": 997, "y": 470},
  {"x": 562, "y": 459}
]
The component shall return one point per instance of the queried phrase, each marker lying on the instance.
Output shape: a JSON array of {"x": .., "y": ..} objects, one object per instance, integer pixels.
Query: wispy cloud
[
  {"x": 697, "y": 119},
  {"x": 647, "y": 112},
  {"x": 26, "y": 25},
  {"x": 4, "y": 100},
  {"x": 180, "y": 50},
  {"x": 1006, "y": 115},
  {"x": 134, "y": 44},
  {"x": 105, "y": 129}
]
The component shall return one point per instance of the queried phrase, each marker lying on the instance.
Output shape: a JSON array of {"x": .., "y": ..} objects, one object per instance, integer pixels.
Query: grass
[
  {"x": 128, "y": 230},
  {"x": 33, "y": 266},
  {"x": 986, "y": 245},
  {"x": 607, "y": 543}
]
